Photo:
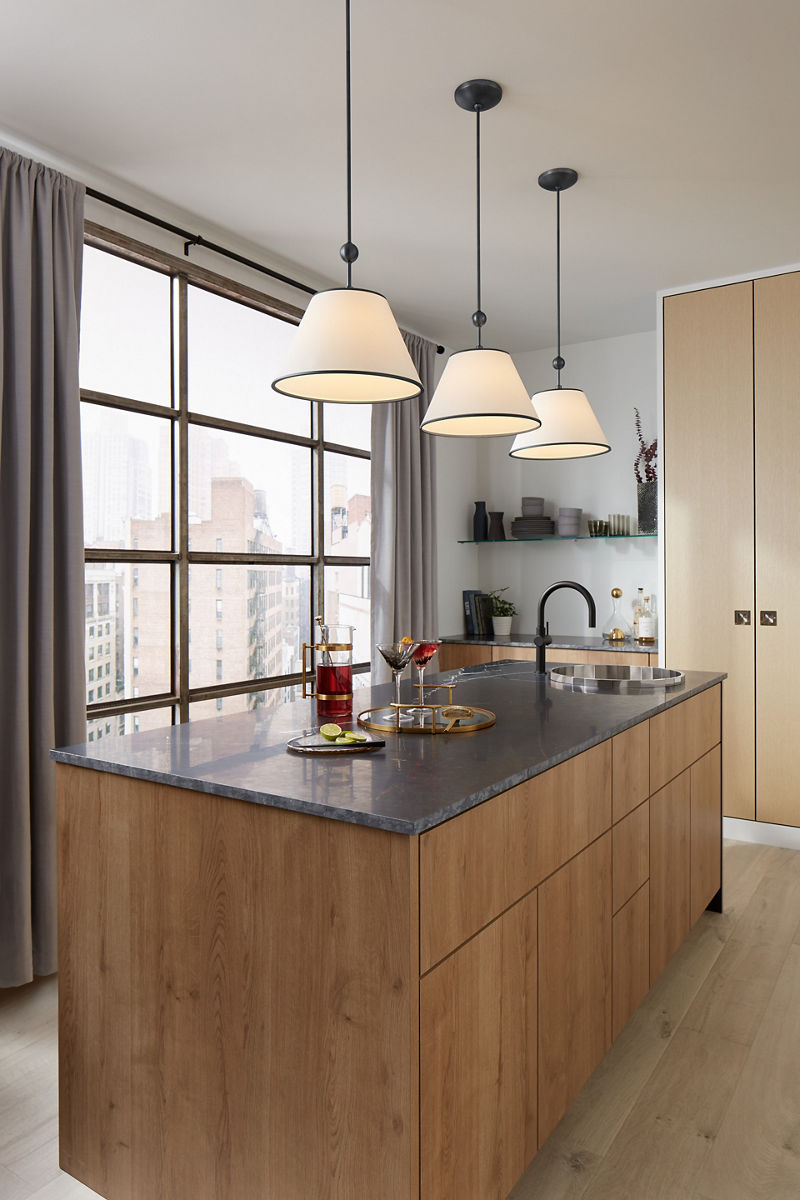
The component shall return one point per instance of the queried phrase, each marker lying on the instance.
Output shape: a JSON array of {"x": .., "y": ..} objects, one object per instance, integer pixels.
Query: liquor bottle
[
  {"x": 638, "y": 605},
  {"x": 647, "y": 624},
  {"x": 616, "y": 628}
]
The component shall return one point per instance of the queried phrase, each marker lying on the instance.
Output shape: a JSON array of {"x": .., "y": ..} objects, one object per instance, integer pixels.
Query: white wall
[{"x": 616, "y": 374}]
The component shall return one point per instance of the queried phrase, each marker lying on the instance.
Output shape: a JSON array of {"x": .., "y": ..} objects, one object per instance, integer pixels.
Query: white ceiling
[{"x": 680, "y": 116}]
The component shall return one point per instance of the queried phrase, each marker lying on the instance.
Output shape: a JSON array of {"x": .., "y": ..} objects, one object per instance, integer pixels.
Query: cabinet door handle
[
  {"x": 741, "y": 616},
  {"x": 769, "y": 616}
]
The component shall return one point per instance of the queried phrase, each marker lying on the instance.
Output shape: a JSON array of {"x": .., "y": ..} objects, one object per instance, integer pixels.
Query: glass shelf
[{"x": 554, "y": 537}]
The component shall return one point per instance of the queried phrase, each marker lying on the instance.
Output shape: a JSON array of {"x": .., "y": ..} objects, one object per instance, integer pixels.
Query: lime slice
[
  {"x": 344, "y": 741},
  {"x": 353, "y": 735},
  {"x": 331, "y": 732}
]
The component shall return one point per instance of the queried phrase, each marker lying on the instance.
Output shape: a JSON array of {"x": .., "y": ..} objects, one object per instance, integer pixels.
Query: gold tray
[{"x": 442, "y": 718}]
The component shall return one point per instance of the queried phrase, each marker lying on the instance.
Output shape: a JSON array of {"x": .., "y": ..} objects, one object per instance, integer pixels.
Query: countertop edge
[{"x": 378, "y": 821}]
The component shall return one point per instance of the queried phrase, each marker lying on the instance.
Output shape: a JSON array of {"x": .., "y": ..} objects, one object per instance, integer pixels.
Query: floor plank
[{"x": 757, "y": 1152}]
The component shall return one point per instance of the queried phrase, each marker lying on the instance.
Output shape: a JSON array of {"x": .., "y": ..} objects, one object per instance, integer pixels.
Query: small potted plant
[{"x": 502, "y": 613}]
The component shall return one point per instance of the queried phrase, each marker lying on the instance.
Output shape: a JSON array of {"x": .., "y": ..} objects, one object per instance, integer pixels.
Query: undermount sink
[{"x": 588, "y": 677}]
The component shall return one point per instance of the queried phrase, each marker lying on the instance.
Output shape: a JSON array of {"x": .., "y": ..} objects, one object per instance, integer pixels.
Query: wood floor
[{"x": 699, "y": 1099}]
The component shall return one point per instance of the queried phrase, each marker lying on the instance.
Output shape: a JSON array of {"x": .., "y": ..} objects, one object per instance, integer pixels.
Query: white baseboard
[{"x": 760, "y": 831}]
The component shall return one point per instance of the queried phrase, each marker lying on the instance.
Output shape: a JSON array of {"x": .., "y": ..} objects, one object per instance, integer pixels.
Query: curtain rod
[{"x": 191, "y": 239}]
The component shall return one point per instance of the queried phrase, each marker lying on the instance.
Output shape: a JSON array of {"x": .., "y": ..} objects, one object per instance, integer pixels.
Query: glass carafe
[
  {"x": 616, "y": 628},
  {"x": 332, "y": 670}
]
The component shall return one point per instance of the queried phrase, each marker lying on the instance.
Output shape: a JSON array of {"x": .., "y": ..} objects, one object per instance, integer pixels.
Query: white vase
[{"x": 502, "y": 626}]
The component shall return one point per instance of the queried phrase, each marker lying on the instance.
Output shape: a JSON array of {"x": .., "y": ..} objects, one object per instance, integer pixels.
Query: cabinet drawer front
[
  {"x": 453, "y": 655},
  {"x": 631, "y": 951},
  {"x": 477, "y": 865},
  {"x": 631, "y": 842},
  {"x": 681, "y": 735},
  {"x": 630, "y": 757}
]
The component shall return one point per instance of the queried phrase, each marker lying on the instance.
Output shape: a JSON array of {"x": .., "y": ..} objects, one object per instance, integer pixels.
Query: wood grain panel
[
  {"x": 682, "y": 734},
  {"x": 777, "y": 440},
  {"x": 708, "y": 508},
  {"x": 670, "y": 824},
  {"x": 754, "y": 1154},
  {"x": 630, "y": 761},
  {"x": 574, "y": 978},
  {"x": 478, "y": 1062},
  {"x": 631, "y": 849},
  {"x": 239, "y": 997},
  {"x": 706, "y": 835},
  {"x": 631, "y": 958},
  {"x": 452, "y": 655},
  {"x": 481, "y": 862}
]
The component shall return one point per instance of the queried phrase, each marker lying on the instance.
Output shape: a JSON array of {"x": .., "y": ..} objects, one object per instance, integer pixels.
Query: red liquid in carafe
[{"x": 338, "y": 683}]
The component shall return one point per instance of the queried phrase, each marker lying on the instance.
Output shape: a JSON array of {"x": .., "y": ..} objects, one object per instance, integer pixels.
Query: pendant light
[
  {"x": 348, "y": 347},
  {"x": 480, "y": 393},
  {"x": 569, "y": 427}
]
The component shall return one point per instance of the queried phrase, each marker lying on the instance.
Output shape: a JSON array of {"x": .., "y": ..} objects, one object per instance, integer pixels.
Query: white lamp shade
[
  {"x": 569, "y": 428},
  {"x": 348, "y": 348},
  {"x": 480, "y": 394}
]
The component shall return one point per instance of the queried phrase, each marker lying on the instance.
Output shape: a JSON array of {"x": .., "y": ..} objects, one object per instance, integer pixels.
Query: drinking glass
[
  {"x": 426, "y": 648},
  {"x": 397, "y": 656}
]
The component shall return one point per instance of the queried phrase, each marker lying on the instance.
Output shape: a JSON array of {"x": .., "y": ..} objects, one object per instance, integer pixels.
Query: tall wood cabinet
[{"x": 732, "y": 521}]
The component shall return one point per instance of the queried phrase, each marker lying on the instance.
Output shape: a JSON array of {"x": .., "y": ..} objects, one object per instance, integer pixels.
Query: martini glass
[
  {"x": 397, "y": 656},
  {"x": 426, "y": 648}
]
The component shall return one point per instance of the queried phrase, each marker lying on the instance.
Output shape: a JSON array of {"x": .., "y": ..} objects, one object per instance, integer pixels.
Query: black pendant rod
[
  {"x": 558, "y": 180},
  {"x": 349, "y": 250},
  {"x": 479, "y": 324},
  {"x": 559, "y": 360}
]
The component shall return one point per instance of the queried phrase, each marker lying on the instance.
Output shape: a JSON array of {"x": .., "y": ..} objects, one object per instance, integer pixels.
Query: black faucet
[{"x": 543, "y": 638}]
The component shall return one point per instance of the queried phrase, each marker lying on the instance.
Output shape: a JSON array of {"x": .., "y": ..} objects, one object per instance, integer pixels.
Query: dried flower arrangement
[{"x": 646, "y": 458}]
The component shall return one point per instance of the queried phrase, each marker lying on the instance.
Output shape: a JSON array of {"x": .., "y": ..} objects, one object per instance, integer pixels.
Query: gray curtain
[
  {"x": 403, "y": 548},
  {"x": 41, "y": 544}
]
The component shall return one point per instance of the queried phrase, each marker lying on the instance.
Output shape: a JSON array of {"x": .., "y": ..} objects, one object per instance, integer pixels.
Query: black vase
[
  {"x": 480, "y": 522},
  {"x": 496, "y": 531},
  {"x": 647, "y": 497}
]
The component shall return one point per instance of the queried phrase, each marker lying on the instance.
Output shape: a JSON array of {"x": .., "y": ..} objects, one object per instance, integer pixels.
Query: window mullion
[{"x": 183, "y": 499}]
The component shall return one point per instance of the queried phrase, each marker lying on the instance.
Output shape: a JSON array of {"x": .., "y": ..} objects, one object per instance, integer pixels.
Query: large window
[{"x": 220, "y": 517}]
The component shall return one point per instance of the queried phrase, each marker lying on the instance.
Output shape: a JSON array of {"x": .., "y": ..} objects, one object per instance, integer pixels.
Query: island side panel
[{"x": 238, "y": 998}]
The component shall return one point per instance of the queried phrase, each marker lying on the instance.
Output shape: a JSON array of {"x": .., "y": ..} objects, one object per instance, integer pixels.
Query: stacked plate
[
  {"x": 533, "y": 506},
  {"x": 569, "y": 522},
  {"x": 532, "y": 527}
]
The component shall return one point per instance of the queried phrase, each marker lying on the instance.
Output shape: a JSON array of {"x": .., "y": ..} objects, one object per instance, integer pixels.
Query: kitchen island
[{"x": 382, "y": 974}]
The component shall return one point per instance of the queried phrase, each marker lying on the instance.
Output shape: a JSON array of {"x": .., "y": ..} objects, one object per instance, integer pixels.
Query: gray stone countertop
[
  {"x": 559, "y": 642},
  {"x": 412, "y": 784}
]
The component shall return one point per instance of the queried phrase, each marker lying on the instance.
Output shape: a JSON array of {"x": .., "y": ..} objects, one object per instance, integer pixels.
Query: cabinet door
[
  {"x": 777, "y": 371},
  {"x": 631, "y": 979},
  {"x": 708, "y": 509},
  {"x": 670, "y": 824},
  {"x": 574, "y": 978},
  {"x": 478, "y": 1121},
  {"x": 452, "y": 655}
]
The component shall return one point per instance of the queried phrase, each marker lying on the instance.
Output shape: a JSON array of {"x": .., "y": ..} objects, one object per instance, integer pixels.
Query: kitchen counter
[
  {"x": 558, "y": 642},
  {"x": 256, "y": 1001},
  {"x": 417, "y": 781}
]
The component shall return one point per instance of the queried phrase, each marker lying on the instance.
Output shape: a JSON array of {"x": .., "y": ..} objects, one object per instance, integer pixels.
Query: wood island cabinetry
[{"x": 262, "y": 1003}]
